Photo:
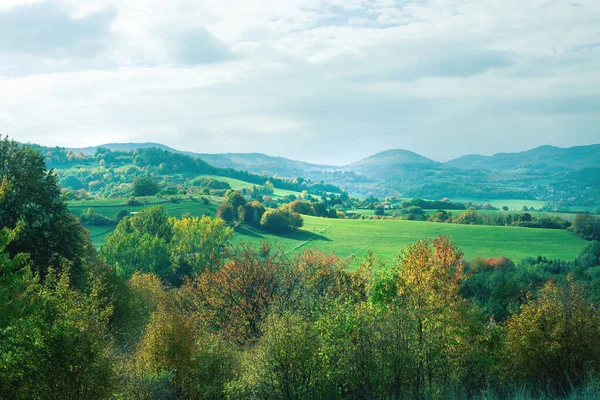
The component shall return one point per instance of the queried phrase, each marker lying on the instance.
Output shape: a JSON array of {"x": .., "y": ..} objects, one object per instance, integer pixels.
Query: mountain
[
  {"x": 263, "y": 164},
  {"x": 571, "y": 175},
  {"x": 543, "y": 159},
  {"x": 393, "y": 164}
]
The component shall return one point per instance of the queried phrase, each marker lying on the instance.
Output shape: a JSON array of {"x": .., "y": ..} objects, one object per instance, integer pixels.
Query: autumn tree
[
  {"x": 237, "y": 298},
  {"x": 300, "y": 207},
  {"x": 427, "y": 277},
  {"x": 554, "y": 340},
  {"x": 251, "y": 213},
  {"x": 226, "y": 213},
  {"x": 278, "y": 220}
]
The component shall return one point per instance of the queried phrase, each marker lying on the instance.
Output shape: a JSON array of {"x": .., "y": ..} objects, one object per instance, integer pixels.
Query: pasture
[
  {"x": 386, "y": 238},
  {"x": 349, "y": 238}
]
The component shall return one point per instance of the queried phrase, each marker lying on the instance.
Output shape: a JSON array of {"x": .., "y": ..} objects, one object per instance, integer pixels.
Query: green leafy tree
[
  {"x": 586, "y": 226},
  {"x": 145, "y": 186},
  {"x": 30, "y": 193},
  {"x": 198, "y": 244},
  {"x": 284, "y": 364},
  {"x": 589, "y": 256},
  {"x": 54, "y": 340},
  {"x": 235, "y": 198},
  {"x": 140, "y": 243}
]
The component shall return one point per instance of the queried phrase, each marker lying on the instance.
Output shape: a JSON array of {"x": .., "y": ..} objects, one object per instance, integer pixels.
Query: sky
[{"x": 326, "y": 81}]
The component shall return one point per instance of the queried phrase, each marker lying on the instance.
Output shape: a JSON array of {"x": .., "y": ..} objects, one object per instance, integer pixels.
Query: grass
[
  {"x": 387, "y": 238},
  {"x": 349, "y": 238},
  {"x": 183, "y": 204},
  {"x": 512, "y": 204},
  {"x": 236, "y": 184}
]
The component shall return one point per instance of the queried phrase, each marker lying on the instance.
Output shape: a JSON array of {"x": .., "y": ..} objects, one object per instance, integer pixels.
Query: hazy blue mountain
[
  {"x": 263, "y": 164},
  {"x": 543, "y": 159},
  {"x": 123, "y": 147},
  {"x": 392, "y": 164}
]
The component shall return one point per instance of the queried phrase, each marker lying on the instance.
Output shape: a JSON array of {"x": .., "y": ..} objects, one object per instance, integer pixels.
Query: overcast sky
[{"x": 327, "y": 81}]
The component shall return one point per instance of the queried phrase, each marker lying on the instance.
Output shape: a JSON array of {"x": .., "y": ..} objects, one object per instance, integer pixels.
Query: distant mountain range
[{"x": 545, "y": 172}]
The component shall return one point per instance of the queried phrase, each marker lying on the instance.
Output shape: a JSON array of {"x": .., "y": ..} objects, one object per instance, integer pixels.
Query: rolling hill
[{"x": 544, "y": 173}]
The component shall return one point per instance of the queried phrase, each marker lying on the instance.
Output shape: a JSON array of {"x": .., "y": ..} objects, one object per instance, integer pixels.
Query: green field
[
  {"x": 387, "y": 237},
  {"x": 512, "y": 204},
  {"x": 236, "y": 184},
  {"x": 110, "y": 207},
  {"x": 355, "y": 237}
]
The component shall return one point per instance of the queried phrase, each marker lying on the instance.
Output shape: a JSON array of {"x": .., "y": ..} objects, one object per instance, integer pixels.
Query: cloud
[
  {"x": 47, "y": 28},
  {"x": 199, "y": 47},
  {"x": 323, "y": 80}
]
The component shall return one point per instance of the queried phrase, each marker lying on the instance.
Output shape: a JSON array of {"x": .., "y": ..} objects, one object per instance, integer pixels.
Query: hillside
[
  {"x": 393, "y": 164},
  {"x": 570, "y": 176},
  {"x": 88, "y": 151}
]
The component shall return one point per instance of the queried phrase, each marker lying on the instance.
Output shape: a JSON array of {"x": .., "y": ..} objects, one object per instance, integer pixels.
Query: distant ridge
[
  {"x": 544, "y": 158},
  {"x": 571, "y": 175},
  {"x": 123, "y": 147}
]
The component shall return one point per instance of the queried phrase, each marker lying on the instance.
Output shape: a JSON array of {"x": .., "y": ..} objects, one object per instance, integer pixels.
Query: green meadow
[
  {"x": 386, "y": 238},
  {"x": 348, "y": 238},
  {"x": 237, "y": 184}
]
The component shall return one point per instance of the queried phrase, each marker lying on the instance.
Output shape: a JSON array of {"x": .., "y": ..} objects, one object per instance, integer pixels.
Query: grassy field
[
  {"x": 356, "y": 237},
  {"x": 238, "y": 185},
  {"x": 512, "y": 204},
  {"x": 110, "y": 207},
  {"x": 387, "y": 237}
]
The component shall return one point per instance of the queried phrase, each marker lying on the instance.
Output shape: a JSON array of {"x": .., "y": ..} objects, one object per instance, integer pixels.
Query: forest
[{"x": 171, "y": 308}]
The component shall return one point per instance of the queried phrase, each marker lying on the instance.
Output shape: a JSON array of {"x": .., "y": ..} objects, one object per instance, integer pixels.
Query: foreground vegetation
[{"x": 170, "y": 308}]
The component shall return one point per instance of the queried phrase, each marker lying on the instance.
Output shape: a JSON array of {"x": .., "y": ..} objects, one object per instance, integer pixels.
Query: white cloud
[{"x": 297, "y": 78}]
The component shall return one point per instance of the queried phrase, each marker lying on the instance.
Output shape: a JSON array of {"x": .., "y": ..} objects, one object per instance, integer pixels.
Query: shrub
[
  {"x": 145, "y": 186},
  {"x": 587, "y": 226},
  {"x": 277, "y": 220},
  {"x": 226, "y": 212}
]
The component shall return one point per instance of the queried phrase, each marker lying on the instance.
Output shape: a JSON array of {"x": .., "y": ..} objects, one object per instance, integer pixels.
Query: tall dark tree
[{"x": 30, "y": 193}]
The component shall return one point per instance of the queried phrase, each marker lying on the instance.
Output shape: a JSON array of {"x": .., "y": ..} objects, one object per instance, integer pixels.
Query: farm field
[
  {"x": 512, "y": 204},
  {"x": 356, "y": 237},
  {"x": 387, "y": 237}
]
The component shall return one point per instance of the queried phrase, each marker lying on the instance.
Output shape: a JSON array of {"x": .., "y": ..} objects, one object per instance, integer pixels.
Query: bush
[
  {"x": 145, "y": 186},
  {"x": 226, "y": 212},
  {"x": 132, "y": 201},
  {"x": 587, "y": 226},
  {"x": 89, "y": 217},
  {"x": 251, "y": 213},
  {"x": 277, "y": 220},
  {"x": 300, "y": 207}
]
